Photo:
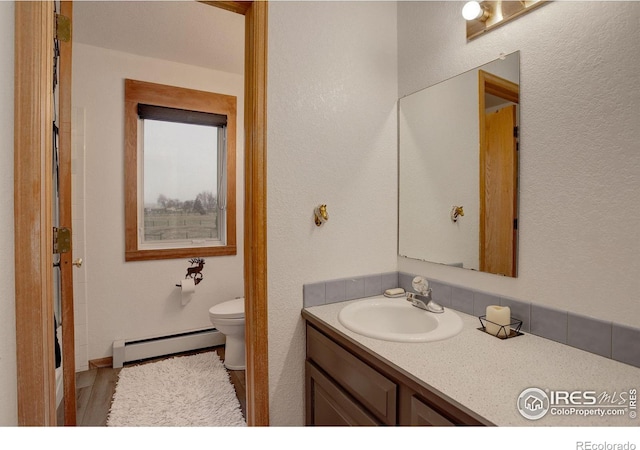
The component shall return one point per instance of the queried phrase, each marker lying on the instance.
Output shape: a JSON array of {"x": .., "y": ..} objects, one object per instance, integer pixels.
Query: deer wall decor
[{"x": 195, "y": 271}]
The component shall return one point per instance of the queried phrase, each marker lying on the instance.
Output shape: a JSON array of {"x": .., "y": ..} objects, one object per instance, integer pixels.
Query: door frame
[
  {"x": 32, "y": 210},
  {"x": 33, "y": 240}
]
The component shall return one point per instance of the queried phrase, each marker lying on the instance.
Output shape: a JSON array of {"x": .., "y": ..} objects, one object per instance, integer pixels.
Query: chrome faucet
[{"x": 424, "y": 301}]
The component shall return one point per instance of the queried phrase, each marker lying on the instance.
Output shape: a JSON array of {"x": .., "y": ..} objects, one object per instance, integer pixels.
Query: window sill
[{"x": 177, "y": 253}]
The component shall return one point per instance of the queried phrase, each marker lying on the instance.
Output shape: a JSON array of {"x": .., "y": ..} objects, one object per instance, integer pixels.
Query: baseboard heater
[{"x": 139, "y": 349}]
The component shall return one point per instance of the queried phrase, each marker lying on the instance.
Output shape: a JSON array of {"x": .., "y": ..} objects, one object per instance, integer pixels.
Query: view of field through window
[{"x": 180, "y": 181}]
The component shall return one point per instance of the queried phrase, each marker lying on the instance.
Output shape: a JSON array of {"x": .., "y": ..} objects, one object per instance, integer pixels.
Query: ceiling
[{"x": 187, "y": 32}]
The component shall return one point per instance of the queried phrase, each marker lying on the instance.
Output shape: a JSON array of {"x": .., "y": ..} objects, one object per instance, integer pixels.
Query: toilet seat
[{"x": 231, "y": 309}]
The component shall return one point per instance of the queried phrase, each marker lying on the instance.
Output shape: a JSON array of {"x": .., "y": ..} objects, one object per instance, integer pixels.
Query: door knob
[{"x": 77, "y": 262}]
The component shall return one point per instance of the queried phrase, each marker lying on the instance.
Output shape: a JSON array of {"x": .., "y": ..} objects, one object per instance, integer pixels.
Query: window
[{"x": 179, "y": 172}]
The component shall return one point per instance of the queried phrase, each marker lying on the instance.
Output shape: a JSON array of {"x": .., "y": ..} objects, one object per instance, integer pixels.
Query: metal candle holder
[{"x": 504, "y": 331}]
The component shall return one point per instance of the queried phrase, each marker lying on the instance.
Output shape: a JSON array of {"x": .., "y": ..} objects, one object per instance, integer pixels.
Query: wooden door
[
  {"x": 65, "y": 218},
  {"x": 498, "y": 213}
]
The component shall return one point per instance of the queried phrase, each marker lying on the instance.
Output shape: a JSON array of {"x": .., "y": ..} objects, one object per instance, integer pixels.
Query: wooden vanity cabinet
[
  {"x": 346, "y": 384},
  {"x": 330, "y": 405}
]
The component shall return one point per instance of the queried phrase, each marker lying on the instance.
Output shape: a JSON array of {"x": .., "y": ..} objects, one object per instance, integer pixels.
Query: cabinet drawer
[{"x": 374, "y": 391}]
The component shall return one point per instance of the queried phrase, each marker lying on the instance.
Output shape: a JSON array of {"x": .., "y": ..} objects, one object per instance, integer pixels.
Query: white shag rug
[{"x": 184, "y": 391}]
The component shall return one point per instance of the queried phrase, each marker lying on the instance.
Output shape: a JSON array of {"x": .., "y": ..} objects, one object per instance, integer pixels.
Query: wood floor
[{"x": 95, "y": 389}]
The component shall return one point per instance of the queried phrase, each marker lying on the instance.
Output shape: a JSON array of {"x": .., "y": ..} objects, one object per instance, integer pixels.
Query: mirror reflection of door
[{"x": 498, "y": 174}]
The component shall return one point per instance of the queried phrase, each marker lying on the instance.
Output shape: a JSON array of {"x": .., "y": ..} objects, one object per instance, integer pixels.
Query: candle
[{"x": 500, "y": 315}]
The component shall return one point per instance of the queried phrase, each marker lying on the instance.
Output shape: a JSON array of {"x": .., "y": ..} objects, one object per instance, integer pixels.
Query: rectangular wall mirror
[{"x": 458, "y": 170}]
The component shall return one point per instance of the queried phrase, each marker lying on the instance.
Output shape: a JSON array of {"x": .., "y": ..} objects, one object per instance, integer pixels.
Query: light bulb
[{"x": 472, "y": 10}]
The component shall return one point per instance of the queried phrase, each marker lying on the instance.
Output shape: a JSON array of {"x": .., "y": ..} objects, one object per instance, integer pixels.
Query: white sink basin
[{"x": 395, "y": 319}]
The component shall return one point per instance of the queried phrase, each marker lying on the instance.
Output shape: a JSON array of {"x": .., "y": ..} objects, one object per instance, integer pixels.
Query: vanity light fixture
[
  {"x": 483, "y": 16},
  {"x": 476, "y": 11}
]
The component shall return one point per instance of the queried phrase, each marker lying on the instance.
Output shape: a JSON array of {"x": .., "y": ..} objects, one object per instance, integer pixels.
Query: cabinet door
[
  {"x": 370, "y": 388},
  {"x": 422, "y": 414},
  {"x": 328, "y": 405}
]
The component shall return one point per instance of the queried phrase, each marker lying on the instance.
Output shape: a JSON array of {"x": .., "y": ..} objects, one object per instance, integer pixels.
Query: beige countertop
[{"x": 487, "y": 374}]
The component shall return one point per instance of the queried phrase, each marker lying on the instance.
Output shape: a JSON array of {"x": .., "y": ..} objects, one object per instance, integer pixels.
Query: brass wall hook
[
  {"x": 321, "y": 215},
  {"x": 456, "y": 212}
]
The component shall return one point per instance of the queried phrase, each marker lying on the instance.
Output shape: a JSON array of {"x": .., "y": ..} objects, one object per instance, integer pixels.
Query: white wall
[
  {"x": 8, "y": 391},
  {"x": 139, "y": 299},
  {"x": 332, "y": 84},
  {"x": 579, "y": 237}
]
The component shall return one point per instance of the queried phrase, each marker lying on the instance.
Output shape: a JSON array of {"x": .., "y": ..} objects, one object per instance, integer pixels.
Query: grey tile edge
[
  {"x": 589, "y": 324},
  {"x": 363, "y": 278},
  {"x": 619, "y": 349},
  {"x": 307, "y": 300},
  {"x": 336, "y": 290},
  {"x": 372, "y": 285},
  {"x": 562, "y": 330},
  {"x": 354, "y": 288}
]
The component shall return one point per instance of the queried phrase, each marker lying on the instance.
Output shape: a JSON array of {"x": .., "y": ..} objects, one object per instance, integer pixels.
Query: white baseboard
[{"x": 138, "y": 349}]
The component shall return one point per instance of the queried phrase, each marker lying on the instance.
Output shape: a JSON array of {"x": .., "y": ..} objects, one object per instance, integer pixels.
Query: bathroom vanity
[
  {"x": 471, "y": 378},
  {"x": 347, "y": 385}
]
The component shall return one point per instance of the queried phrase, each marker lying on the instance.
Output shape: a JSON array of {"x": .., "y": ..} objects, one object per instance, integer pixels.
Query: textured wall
[
  {"x": 332, "y": 139},
  {"x": 579, "y": 160},
  {"x": 139, "y": 299},
  {"x": 8, "y": 400}
]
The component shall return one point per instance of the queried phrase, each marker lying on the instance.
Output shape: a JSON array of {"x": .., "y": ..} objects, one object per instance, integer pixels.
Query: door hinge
[
  {"x": 515, "y": 132},
  {"x": 63, "y": 28},
  {"x": 61, "y": 240},
  {"x": 515, "y": 224}
]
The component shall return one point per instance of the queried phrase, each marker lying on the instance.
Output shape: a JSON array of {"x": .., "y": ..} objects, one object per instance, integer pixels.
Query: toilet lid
[{"x": 232, "y": 309}]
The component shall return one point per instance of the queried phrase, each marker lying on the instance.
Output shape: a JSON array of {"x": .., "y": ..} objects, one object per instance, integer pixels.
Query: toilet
[{"x": 228, "y": 318}]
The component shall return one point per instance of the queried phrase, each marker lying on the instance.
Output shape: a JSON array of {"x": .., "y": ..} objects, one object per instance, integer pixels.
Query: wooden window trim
[{"x": 141, "y": 92}]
